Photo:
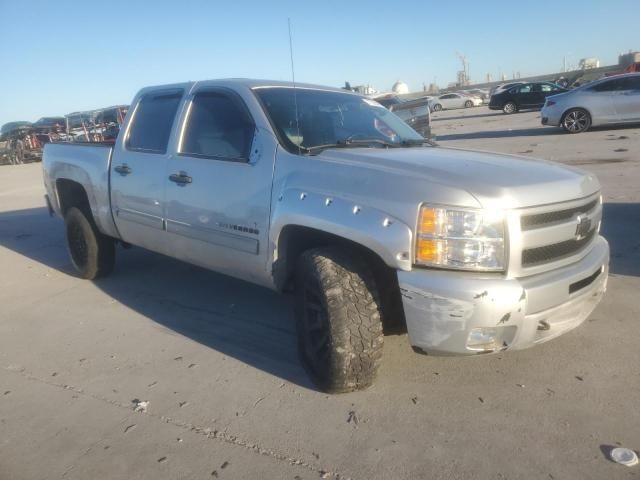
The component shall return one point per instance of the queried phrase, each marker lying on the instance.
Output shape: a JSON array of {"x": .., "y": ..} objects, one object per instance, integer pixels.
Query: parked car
[
  {"x": 416, "y": 112},
  {"x": 331, "y": 194},
  {"x": 522, "y": 97},
  {"x": 608, "y": 101},
  {"x": 454, "y": 100}
]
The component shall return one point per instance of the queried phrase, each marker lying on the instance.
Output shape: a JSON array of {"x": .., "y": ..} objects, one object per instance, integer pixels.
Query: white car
[
  {"x": 608, "y": 101},
  {"x": 454, "y": 100}
]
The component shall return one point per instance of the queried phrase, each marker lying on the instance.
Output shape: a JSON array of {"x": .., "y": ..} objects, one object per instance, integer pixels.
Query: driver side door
[{"x": 218, "y": 186}]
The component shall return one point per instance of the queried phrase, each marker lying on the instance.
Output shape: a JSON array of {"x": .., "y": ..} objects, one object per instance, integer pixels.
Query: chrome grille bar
[
  {"x": 556, "y": 251},
  {"x": 530, "y": 222}
]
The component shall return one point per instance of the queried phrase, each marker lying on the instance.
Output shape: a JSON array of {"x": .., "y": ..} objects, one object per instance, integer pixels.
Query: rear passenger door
[
  {"x": 218, "y": 186},
  {"x": 540, "y": 92},
  {"x": 138, "y": 169},
  {"x": 602, "y": 100}
]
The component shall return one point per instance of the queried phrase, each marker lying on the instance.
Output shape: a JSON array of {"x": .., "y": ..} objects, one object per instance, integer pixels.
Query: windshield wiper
[
  {"x": 416, "y": 142},
  {"x": 351, "y": 143}
]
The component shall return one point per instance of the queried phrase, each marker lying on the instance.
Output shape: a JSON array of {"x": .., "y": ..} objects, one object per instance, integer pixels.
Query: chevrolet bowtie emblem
[{"x": 583, "y": 227}]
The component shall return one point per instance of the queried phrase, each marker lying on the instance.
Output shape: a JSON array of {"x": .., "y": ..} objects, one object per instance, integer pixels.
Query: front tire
[
  {"x": 468, "y": 104},
  {"x": 510, "y": 108},
  {"x": 91, "y": 252},
  {"x": 576, "y": 120},
  {"x": 338, "y": 317},
  {"x": 437, "y": 107}
]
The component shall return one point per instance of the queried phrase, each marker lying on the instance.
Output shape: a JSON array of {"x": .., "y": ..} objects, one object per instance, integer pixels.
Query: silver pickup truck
[{"x": 328, "y": 193}]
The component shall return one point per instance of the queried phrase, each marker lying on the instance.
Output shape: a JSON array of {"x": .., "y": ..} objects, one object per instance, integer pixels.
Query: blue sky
[{"x": 58, "y": 57}]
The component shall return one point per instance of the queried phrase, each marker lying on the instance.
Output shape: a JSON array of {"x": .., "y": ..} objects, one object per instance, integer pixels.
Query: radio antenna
[{"x": 293, "y": 80}]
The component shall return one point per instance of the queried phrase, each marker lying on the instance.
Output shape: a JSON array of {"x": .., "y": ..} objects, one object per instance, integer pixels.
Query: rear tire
[
  {"x": 338, "y": 317},
  {"x": 437, "y": 107},
  {"x": 91, "y": 252},
  {"x": 576, "y": 120},
  {"x": 510, "y": 108},
  {"x": 468, "y": 104}
]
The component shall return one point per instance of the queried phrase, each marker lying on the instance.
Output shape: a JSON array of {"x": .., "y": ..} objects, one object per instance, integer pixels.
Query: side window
[
  {"x": 152, "y": 122},
  {"x": 218, "y": 126},
  {"x": 630, "y": 83},
  {"x": 523, "y": 89},
  {"x": 608, "y": 86}
]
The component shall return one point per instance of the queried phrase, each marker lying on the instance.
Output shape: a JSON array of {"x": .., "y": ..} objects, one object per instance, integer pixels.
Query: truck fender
[
  {"x": 386, "y": 236},
  {"x": 69, "y": 172}
]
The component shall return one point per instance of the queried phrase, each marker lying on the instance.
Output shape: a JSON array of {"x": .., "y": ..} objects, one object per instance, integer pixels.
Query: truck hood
[{"x": 495, "y": 180}]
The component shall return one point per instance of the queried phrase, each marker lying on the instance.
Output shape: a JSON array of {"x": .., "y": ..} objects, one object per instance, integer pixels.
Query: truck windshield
[{"x": 329, "y": 119}]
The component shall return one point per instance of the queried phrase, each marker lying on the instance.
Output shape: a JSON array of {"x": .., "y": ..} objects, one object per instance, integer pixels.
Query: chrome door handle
[
  {"x": 180, "y": 178},
  {"x": 123, "y": 169}
]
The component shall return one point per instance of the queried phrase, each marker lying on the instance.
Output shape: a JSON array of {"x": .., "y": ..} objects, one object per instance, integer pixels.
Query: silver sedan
[{"x": 608, "y": 101}]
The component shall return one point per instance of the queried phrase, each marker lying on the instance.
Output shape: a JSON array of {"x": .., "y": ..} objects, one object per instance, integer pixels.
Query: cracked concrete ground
[{"x": 216, "y": 360}]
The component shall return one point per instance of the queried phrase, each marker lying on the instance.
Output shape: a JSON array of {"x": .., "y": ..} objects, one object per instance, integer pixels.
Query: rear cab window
[{"x": 152, "y": 122}]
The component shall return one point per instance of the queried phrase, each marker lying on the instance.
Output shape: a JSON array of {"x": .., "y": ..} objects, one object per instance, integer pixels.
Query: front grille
[
  {"x": 530, "y": 222},
  {"x": 556, "y": 251}
]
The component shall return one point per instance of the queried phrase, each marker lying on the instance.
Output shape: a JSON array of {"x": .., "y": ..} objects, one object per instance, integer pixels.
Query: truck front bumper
[{"x": 458, "y": 313}]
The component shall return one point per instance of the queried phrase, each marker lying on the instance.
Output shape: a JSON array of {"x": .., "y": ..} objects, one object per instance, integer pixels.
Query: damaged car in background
[
  {"x": 328, "y": 194},
  {"x": 415, "y": 112},
  {"x": 23, "y": 141},
  {"x": 96, "y": 126}
]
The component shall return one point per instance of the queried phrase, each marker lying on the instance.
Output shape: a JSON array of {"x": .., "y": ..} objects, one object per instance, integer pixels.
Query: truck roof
[{"x": 245, "y": 82}]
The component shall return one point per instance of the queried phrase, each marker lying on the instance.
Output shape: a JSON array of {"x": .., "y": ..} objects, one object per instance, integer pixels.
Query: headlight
[{"x": 460, "y": 239}]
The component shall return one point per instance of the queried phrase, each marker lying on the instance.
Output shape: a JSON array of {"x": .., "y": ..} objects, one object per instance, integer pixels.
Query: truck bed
[{"x": 88, "y": 165}]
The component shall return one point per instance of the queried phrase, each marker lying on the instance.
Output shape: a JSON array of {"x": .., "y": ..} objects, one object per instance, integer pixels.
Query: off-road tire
[
  {"x": 91, "y": 252},
  {"x": 581, "y": 121},
  {"x": 510, "y": 108},
  {"x": 338, "y": 317},
  {"x": 437, "y": 107},
  {"x": 468, "y": 104}
]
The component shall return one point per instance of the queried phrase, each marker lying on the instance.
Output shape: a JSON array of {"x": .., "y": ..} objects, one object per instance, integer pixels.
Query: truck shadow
[
  {"x": 621, "y": 227},
  {"x": 238, "y": 319}
]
